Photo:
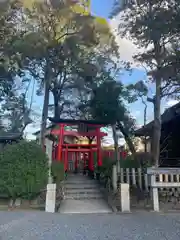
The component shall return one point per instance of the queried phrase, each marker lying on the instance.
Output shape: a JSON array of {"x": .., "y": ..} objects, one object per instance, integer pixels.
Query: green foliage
[
  {"x": 106, "y": 169},
  {"x": 153, "y": 27},
  {"x": 104, "y": 107},
  {"x": 16, "y": 111},
  {"x": 137, "y": 90},
  {"x": 112, "y": 108},
  {"x": 107, "y": 103},
  {"x": 129, "y": 162},
  {"x": 58, "y": 173},
  {"x": 24, "y": 170}
]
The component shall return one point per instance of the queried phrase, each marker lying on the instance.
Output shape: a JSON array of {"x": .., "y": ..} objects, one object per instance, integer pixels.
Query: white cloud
[
  {"x": 171, "y": 102},
  {"x": 30, "y": 130},
  {"x": 137, "y": 113},
  {"x": 126, "y": 47}
]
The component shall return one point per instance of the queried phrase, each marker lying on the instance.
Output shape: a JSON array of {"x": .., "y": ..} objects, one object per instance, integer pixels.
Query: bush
[
  {"x": 24, "y": 170},
  {"x": 129, "y": 162},
  {"x": 106, "y": 169},
  {"x": 58, "y": 173}
]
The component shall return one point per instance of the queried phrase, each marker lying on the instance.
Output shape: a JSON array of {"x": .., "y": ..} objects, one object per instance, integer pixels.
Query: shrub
[
  {"x": 106, "y": 169},
  {"x": 129, "y": 162},
  {"x": 58, "y": 173},
  {"x": 24, "y": 170}
]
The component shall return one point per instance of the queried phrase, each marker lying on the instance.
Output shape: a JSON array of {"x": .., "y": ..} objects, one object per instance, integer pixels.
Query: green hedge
[
  {"x": 129, "y": 163},
  {"x": 24, "y": 170},
  {"x": 58, "y": 173},
  {"x": 107, "y": 164}
]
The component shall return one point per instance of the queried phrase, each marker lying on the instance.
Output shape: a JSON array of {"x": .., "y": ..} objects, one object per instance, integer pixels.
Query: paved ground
[
  {"x": 85, "y": 206},
  {"x": 40, "y": 225}
]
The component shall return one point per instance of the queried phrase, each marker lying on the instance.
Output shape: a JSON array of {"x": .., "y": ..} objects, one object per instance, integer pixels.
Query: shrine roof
[
  {"x": 47, "y": 128},
  {"x": 10, "y": 137},
  {"x": 76, "y": 121},
  {"x": 169, "y": 115}
]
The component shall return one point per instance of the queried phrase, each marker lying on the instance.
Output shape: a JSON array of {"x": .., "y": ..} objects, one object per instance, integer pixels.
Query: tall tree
[
  {"x": 113, "y": 110},
  {"x": 53, "y": 44},
  {"x": 152, "y": 25},
  {"x": 137, "y": 91},
  {"x": 9, "y": 83},
  {"x": 16, "y": 114}
]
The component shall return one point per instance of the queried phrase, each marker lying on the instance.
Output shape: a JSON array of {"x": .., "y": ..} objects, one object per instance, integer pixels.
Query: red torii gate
[{"x": 90, "y": 129}]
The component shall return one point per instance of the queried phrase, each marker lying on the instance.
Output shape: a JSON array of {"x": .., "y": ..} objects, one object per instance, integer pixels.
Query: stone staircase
[
  {"x": 81, "y": 187},
  {"x": 82, "y": 195}
]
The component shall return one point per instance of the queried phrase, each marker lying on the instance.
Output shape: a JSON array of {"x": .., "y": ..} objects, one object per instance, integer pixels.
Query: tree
[
  {"x": 7, "y": 33},
  {"x": 136, "y": 91},
  {"x": 113, "y": 110},
  {"x": 16, "y": 113},
  {"x": 152, "y": 25},
  {"x": 13, "y": 109},
  {"x": 52, "y": 46}
]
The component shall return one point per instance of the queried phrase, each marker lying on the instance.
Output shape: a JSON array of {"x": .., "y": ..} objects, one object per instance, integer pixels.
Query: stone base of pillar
[
  {"x": 114, "y": 177},
  {"x": 91, "y": 174},
  {"x": 98, "y": 176},
  {"x": 84, "y": 171},
  {"x": 50, "y": 198},
  {"x": 124, "y": 197}
]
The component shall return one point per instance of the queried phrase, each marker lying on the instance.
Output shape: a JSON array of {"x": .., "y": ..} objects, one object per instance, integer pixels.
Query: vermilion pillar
[
  {"x": 84, "y": 160},
  {"x": 61, "y": 136},
  {"x": 91, "y": 160},
  {"x": 99, "y": 151},
  {"x": 76, "y": 160},
  {"x": 66, "y": 159}
]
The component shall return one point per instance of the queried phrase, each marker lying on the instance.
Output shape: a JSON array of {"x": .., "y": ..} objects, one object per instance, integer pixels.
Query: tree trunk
[
  {"x": 44, "y": 112},
  {"x": 145, "y": 117},
  {"x": 115, "y": 138},
  {"x": 157, "y": 124},
  {"x": 56, "y": 105},
  {"x": 127, "y": 139},
  {"x": 157, "y": 106}
]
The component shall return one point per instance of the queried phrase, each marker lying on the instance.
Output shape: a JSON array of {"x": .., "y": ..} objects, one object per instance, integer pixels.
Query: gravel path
[{"x": 137, "y": 226}]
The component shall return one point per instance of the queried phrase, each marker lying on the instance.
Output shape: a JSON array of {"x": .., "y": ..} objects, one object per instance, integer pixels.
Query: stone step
[
  {"x": 78, "y": 181},
  {"x": 82, "y": 183},
  {"x": 81, "y": 191},
  {"x": 82, "y": 196},
  {"x": 84, "y": 206},
  {"x": 81, "y": 186}
]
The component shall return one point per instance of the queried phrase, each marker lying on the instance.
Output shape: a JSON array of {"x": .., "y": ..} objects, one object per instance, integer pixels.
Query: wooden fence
[{"x": 138, "y": 178}]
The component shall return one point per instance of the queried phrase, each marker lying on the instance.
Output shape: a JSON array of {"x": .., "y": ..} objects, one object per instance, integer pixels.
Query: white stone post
[
  {"x": 50, "y": 198},
  {"x": 125, "y": 199},
  {"x": 48, "y": 144},
  {"x": 114, "y": 177},
  {"x": 155, "y": 196},
  {"x": 51, "y": 188},
  {"x": 155, "y": 185}
]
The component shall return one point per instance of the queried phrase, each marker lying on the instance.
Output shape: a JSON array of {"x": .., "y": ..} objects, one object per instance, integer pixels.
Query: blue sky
[{"x": 102, "y": 8}]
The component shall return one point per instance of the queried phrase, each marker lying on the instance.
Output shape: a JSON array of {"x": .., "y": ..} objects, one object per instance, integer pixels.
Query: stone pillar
[
  {"x": 114, "y": 177},
  {"x": 50, "y": 198},
  {"x": 124, "y": 197},
  {"x": 154, "y": 192},
  {"x": 49, "y": 144}
]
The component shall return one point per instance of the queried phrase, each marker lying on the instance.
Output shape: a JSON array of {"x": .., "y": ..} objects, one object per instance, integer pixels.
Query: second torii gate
[{"x": 89, "y": 129}]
